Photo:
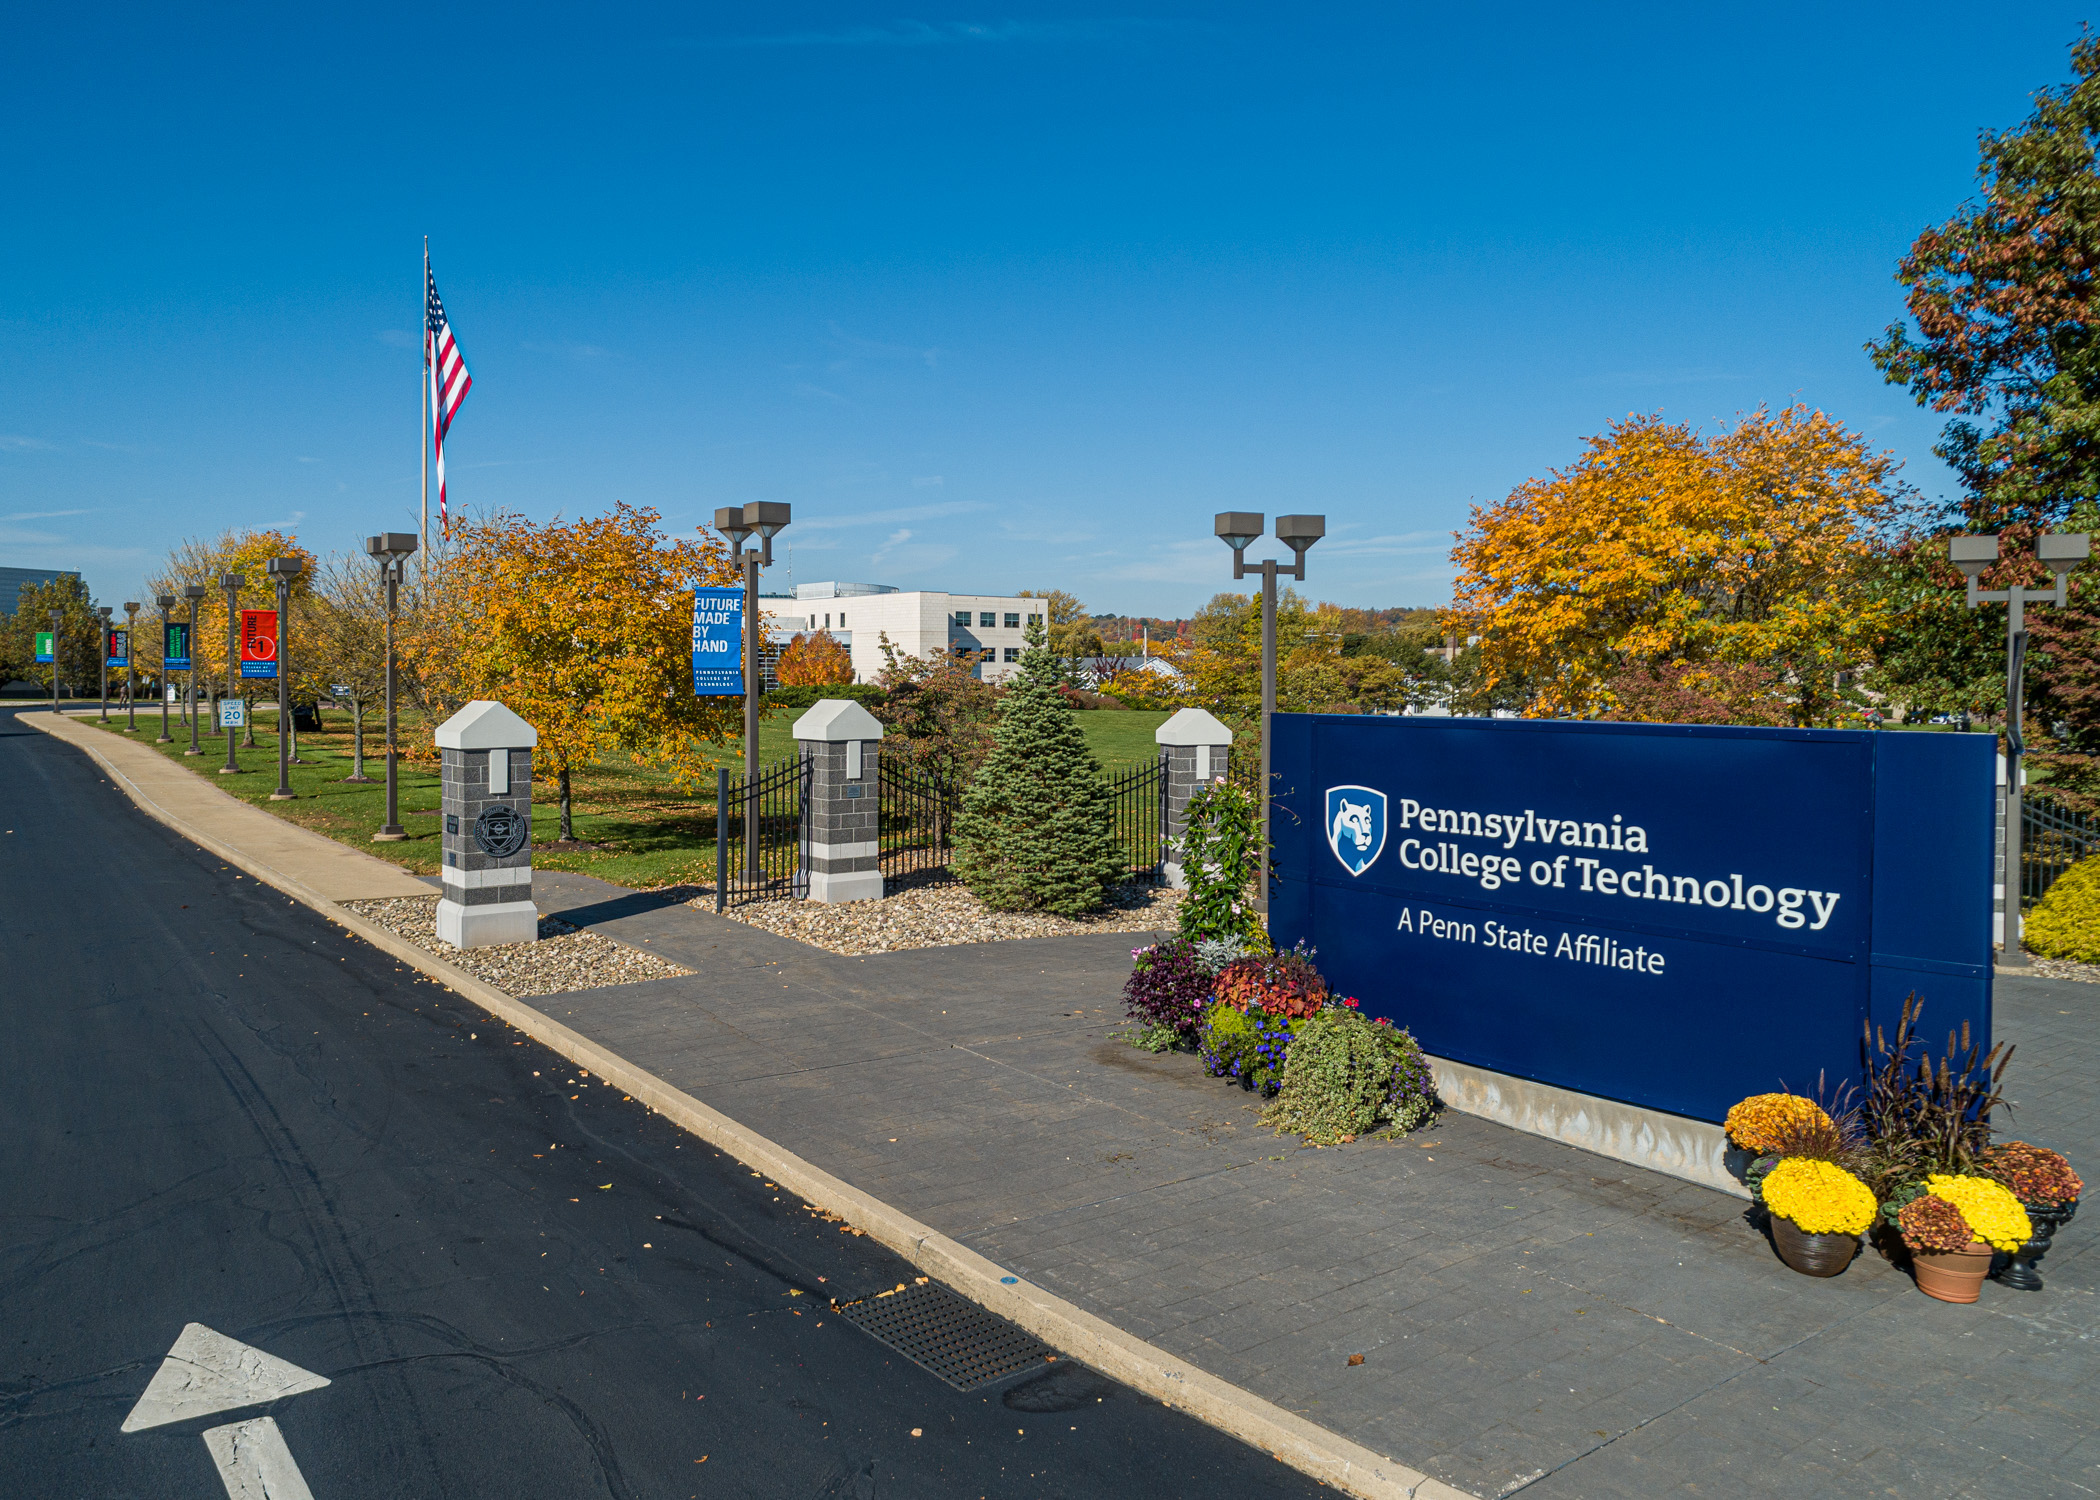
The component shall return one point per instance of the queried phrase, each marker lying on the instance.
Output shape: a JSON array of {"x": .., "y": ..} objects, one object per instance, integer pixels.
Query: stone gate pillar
[
  {"x": 1197, "y": 747},
  {"x": 842, "y": 740},
  {"x": 486, "y": 752}
]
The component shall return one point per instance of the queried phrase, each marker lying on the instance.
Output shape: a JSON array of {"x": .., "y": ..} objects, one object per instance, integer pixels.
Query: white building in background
[{"x": 918, "y": 622}]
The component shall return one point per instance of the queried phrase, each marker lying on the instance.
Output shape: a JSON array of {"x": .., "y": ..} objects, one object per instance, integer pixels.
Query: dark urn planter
[
  {"x": 2017, "y": 1270},
  {"x": 1812, "y": 1254}
]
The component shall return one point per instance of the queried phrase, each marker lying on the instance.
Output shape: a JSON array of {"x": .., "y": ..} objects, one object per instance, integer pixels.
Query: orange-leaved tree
[
  {"x": 584, "y": 629},
  {"x": 1661, "y": 549},
  {"x": 814, "y": 660}
]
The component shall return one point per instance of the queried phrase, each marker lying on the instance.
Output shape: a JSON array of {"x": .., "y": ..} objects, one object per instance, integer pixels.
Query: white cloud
[
  {"x": 15, "y": 442},
  {"x": 41, "y": 515},
  {"x": 927, "y": 482}
]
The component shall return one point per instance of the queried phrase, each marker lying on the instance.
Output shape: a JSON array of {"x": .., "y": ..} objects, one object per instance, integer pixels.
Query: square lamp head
[
  {"x": 729, "y": 520},
  {"x": 131, "y": 606},
  {"x": 194, "y": 591},
  {"x": 287, "y": 567},
  {"x": 165, "y": 601},
  {"x": 233, "y": 583},
  {"x": 391, "y": 544},
  {"x": 1237, "y": 528},
  {"x": 2063, "y": 551},
  {"x": 104, "y": 611},
  {"x": 767, "y": 517},
  {"x": 1972, "y": 554},
  {"x": 1300, "y": 532}
]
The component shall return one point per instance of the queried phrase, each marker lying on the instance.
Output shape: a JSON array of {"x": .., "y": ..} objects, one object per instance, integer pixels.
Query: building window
[
  {"x": 842, "y": 621},
  {"x": 1013, "y": 653},
  {"x": 962, "y": 618},
  {"x": 827, "y": 622},
  {"x": 1013, "y": 622},
  {"x": 987, "y": 618}
]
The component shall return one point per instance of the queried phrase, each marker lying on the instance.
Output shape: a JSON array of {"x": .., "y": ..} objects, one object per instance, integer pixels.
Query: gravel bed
[
  {"x": 944, "y": 916},
  {"x": 2063, "y": 968},
  {"x": 565, "y": 958}
]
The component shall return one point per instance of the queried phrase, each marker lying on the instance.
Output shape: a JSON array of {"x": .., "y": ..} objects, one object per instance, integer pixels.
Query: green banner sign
[{"x": 44, "y": 643}]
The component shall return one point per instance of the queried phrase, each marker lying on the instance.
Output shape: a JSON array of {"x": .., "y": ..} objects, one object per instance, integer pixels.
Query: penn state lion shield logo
[{"x": 1355, "y": 826}]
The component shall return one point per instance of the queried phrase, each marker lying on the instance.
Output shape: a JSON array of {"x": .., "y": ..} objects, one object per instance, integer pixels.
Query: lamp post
[
  {"x": 131, "y": 671},
  {"x": 1974, "y": 555},
  {"x": 233, "y": 583},
  {"x": 738, "y": 522},
  {"x": 166, "y": 603},
  {"x": 284, "y": 570},
  {"x": 391, "y": 548},
  {"x": 193, "y": 592},
  {"x": 58, "y": 618},
  {"x": 1236, "y": 529},
  {"x": 103, "y": 613}
]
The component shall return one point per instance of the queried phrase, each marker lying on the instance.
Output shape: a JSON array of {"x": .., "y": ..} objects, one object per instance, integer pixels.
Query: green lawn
[{"x": 648, "y": 832}]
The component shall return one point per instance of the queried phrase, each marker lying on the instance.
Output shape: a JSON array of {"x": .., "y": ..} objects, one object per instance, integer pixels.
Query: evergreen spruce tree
[{"x": 1037, "y": 828}]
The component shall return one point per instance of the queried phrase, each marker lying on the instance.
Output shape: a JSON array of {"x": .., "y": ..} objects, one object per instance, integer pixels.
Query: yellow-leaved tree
[
  {"x": 814, "y": 659},
  {"x": 247, "y": 553},
  {"x": 1733, "y": 564},
  {"x": 584, "y": 629}
]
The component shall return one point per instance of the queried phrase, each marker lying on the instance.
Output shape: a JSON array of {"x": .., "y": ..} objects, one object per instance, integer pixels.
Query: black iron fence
[
  {"x": 2052, "y": 839},
  {"x": 760, "y": 834},
  {"x": 1138, "y": 794},
  {"x": 915, "y": 821}
]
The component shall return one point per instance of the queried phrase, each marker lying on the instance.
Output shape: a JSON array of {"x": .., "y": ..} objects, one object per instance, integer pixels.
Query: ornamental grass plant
[{"x": 1920, "y": 1117}]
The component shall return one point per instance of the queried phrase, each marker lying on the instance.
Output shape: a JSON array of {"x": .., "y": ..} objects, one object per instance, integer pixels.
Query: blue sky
[{"x": 996, "y": 298}]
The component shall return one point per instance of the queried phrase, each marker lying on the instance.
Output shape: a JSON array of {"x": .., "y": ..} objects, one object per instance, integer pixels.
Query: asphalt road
[{"x": 220, "y": 1109}]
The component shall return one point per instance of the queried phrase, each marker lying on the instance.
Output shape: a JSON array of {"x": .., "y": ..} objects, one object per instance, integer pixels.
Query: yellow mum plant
[
  {"x": 1995, "y": 1215},
  {"x": 1821, "y": 1198},
  {"x": 1757, "y": 1122}
]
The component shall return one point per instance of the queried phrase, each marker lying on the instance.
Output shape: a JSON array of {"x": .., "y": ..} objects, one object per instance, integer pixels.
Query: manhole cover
[{"x": 948, "y": 1335}]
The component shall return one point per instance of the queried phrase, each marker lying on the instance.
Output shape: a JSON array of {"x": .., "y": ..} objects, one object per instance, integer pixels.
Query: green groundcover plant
[
  {"x": 1347, "y": 1075},
  {"x": 2066, "y": 922}
]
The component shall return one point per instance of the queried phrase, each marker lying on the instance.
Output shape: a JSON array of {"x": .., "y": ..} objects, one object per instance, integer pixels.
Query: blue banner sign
[
  {"x": 1673, "y": 916},
  {"x": 718, "y": 642},
  {"x": 175, "y": 647}
]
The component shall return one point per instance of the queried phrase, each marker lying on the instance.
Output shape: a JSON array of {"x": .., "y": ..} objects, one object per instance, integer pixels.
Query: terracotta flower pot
[
  {"x": 1952, "y": 1275},
  {"x": 1812, "y": 1254}
]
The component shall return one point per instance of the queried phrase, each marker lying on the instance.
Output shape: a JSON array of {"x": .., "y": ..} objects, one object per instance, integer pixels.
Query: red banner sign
[{"x": 258, "y": 643}]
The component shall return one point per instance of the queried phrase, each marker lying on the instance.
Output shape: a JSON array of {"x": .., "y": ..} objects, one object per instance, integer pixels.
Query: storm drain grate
[{"x": 947, "y": 1335}]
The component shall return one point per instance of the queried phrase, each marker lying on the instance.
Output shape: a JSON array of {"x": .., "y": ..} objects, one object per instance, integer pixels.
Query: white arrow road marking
[
  {"x": 254, "y": 1463},
  {"x": 208, "y": 1372}
]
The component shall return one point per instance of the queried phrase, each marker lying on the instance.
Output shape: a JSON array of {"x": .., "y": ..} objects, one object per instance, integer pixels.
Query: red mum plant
[
  {"x": 2033, "y": 1174},
  {"x": 1932, "y": 1223}
]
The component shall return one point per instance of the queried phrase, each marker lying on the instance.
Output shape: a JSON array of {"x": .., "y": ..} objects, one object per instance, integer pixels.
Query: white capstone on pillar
[
  {"x": 486, "y": 752},
  {"x": 1198, "y": 750},
  {"x": 843, "y": 742}
]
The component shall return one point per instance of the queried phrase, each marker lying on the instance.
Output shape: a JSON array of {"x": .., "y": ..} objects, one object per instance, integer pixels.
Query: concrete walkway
[{"x": 1531, "y": 1317}]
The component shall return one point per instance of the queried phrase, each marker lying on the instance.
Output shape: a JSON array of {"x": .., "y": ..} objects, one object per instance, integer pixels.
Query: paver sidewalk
[{"x": 1530, "y": 1316}]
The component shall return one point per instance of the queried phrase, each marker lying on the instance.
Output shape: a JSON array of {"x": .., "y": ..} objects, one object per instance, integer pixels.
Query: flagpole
[{"x": 423, "y": 301}]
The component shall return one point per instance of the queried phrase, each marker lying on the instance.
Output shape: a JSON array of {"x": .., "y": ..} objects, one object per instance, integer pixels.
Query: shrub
[
  {"x": 1168, "y": 987},
  {"x": 1037, "y": 828},
  {"x": 1284, "y": 984},
  {"x": 1345, "y": 1074},
  {"x": 2065, "y": 923},
  {"x": 1219, "y": 850}
]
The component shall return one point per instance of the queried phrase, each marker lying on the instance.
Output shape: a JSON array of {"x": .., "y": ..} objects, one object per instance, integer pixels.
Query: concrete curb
[{"x": 1285, "y": 1436}]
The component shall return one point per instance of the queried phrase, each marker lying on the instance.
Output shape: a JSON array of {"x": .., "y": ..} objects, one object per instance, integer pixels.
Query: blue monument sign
[
  {"x": 718, "y": 642},
  {"x": 1672, "y": 916}
]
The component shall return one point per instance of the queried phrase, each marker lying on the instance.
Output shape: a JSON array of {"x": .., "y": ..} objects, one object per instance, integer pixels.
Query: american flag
[{"x": 449, "y": 382}]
